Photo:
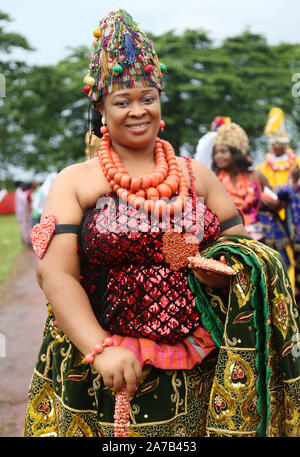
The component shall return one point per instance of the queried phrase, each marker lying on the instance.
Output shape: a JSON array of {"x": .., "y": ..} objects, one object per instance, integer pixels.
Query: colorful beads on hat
[
  {"x": 163, "y": 68},
  {"x": 97, "y": 33},
  {"x": 90, "y": 81},
  {"x": 117, "y": 68},
  {"x": 124, "y": 54},
  {"x": 149, "y": 68},
  {"x": 86, "y": 89}
]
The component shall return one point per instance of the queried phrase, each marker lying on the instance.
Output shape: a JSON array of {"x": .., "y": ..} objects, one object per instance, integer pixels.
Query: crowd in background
[{"x": 29, "y": 202}]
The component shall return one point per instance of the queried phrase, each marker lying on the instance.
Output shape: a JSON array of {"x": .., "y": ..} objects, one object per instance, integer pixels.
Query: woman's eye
[
  {"x": 148, "y": 100},
  {"x": 122, "y": 103}
]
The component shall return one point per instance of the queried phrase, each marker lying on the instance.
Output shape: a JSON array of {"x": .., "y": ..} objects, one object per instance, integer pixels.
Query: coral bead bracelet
[{"x": 98, "y": 349}]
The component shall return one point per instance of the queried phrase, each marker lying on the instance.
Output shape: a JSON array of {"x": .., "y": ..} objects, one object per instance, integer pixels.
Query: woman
[
  {"x": 232, "y": 165},
  {"x": 249, "y": 189},
  {"x": 115, "y": 271}
]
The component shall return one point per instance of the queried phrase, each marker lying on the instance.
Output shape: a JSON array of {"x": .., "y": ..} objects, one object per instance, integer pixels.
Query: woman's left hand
[{"x": 212, "y": 279}]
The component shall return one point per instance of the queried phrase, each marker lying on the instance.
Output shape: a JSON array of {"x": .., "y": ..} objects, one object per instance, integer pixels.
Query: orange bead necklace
[
  {"x": 151, "y": 190},
  {"x": 242, "y": 194}
]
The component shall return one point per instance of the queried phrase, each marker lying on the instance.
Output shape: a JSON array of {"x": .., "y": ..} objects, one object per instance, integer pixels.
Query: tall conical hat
[
  {"x": 275, "y": 128},
  {"x": 122, "y": 56}
]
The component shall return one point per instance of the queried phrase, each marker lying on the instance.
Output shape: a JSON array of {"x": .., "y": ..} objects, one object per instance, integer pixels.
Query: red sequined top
[{"x": 130, "y": 286}]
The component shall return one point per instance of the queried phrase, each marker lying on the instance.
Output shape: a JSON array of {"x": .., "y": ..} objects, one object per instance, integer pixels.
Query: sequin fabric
[{"x": 131, "y": 287}]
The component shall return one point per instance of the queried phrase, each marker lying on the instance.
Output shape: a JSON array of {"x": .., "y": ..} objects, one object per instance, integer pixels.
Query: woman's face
[
  {"x": 132, "y": 116},
  {"x": 222, "y": 157}
]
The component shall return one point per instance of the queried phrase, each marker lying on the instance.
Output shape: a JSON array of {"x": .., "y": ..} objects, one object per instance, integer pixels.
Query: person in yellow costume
[
  {"x": 279, "y": 163},
  {"x": 281, "y": 159}
]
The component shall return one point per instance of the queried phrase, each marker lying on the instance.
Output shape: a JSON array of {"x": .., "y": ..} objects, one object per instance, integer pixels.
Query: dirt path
[{"x": 22, "y": 317}]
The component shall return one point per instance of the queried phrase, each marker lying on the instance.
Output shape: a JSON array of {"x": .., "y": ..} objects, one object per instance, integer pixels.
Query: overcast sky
[{"x": 51, "y": 26}]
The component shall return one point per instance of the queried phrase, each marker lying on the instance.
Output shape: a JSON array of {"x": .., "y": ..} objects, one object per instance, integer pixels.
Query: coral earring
[
  {"x": 162, "y": 125},
  {"x": 104, "y": 129}
]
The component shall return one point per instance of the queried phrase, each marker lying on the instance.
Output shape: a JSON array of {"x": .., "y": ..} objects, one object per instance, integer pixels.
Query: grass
[{"x": 10, "y": 244}]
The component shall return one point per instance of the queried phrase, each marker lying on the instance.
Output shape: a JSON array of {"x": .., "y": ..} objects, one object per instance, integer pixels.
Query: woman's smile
[{"x": 139, "y": 128}]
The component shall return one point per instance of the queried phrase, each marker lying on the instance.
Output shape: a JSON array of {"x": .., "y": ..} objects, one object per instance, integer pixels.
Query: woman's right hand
[{"x": 119, "y": 368}]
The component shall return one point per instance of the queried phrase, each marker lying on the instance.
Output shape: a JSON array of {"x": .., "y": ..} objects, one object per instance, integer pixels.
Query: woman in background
[{"x": 250, "y": 190}]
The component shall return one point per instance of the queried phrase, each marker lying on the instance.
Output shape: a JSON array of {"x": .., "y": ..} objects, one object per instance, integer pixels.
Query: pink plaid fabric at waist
[{"x": 185, "y": 354}]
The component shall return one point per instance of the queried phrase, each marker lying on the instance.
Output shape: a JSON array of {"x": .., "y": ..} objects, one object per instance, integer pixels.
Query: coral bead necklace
[
  {"x": 242, "y": 194},
  {"x": 152, "y": 190}
]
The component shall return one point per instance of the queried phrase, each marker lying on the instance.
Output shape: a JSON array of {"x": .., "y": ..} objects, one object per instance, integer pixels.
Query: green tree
[
  {"x": 8, "y": 41},
  {"x": 11, "y": 72},
  {"x": 53, "y": 113},
  {"x": 43, "y": 119},
  {"x": 185, "y": 57},
  {"x": 242, "y": 78}
]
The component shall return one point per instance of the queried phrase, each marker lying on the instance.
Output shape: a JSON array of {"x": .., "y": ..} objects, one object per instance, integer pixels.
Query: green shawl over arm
[{"x": 256, "y": 388}]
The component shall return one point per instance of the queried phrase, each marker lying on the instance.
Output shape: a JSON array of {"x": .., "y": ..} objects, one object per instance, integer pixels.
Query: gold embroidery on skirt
[
  {"x": 249, "y": 411},
  {"x": 42, "y": 408},
  {"x": 78, "y": 428},
  {"x": 238, "y": 376},
  {"x": 280, "y": 313},
  {"x": 221, "y": 405}
]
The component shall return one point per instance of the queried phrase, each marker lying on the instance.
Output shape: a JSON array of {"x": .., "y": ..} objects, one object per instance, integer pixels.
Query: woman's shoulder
[
  {"x": 80, "y": 173},
  {"x": 84, "y": 181},
  {"x": 203, "y": 176},
  {"x": 76, "y": 170}
]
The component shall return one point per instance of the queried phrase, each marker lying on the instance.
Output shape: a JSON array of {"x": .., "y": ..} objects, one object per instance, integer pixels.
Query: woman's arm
[
  {"x": 216, "y": 199},
  {"x": 262, "y": 179},
  {"x": 59, "y": 276},
  {"x": 271, "y": 204}
]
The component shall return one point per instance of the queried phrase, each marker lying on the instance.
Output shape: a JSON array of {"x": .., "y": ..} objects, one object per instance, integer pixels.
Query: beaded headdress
[
  {"x": 275, "y": 129},
  {"x": 233, "y": 135},
  {"x": 218, "y": 121},
  {"x": 204, "y": 150},
  {"x": 122, "y": 56}
]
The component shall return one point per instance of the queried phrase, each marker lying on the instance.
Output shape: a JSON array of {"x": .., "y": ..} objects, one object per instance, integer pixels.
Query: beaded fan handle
[
  {"x": 216, "y": 266},
  {"x": 122, "y": 414}
]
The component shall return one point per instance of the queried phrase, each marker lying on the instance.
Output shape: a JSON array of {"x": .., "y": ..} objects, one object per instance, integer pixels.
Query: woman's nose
[{"x": 137, "y": 109}]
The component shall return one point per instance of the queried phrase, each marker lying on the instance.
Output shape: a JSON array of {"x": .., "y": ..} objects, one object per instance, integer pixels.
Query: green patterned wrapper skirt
[
  {"x": 67, "y": 397},
  {"x": 249, "y": 386}
]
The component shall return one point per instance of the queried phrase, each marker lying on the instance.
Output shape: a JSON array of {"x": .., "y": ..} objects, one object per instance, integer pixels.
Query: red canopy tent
[{"x": 7, "y": 204}]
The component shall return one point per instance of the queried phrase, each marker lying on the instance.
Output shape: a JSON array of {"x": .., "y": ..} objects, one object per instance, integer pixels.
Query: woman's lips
[{"x": 138, "y": 128}]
